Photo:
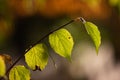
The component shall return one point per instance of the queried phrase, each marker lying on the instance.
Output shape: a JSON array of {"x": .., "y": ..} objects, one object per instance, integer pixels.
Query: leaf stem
[
  {"x": 20, "y": 57},
  {"x": 53, "y": 61}
]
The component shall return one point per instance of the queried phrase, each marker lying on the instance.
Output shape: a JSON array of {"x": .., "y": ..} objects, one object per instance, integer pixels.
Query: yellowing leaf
[
  {"x": 2, "y": 67},
  {"x": 62, "y": 43},
  {"x": 37, "y": 57},
  {"x": 7, "y": 58},
  {"x": 19, "y": 73},
  {"x": 94, "y": 34}
]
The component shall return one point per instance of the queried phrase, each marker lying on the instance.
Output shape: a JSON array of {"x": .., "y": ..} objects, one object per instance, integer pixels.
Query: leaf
[
  {"x": 62, "y": 43},
  {"x": 7, "y": 58},
  {"x": 19, "y": 73},
  {"x": 94, "y": 33},
  {"x": 37, "y": 57},
  {"x": 2, "y": 67}
]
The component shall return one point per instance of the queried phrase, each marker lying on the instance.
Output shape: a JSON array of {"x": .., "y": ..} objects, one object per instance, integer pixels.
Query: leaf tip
[
  {"x": 97, "y": 50},
  {"x": 37, "y": 68},
  {"x": 69, "y": 58}
]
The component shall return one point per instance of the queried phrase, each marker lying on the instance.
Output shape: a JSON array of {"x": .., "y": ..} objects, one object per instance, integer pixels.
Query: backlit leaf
[
  {"x": 62, "y": 43},
  {"x": 37, "y": 57},
  {"x": 19, "y": 73},
  {"x": 94, "y": 33},
  {"x": 2, "y": 67}
]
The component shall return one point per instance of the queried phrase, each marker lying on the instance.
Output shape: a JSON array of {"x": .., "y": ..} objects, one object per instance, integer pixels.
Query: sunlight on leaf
[
  {"x": 37, "y": 57},
  {"x": 94, "y": 33},
  {"x": 19, "y": 73},
  {"x": 62, "y": 43},
  {"x": 2, "y": 67}
]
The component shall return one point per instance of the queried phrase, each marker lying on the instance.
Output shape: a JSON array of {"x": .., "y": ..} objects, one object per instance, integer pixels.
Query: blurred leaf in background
[
  {"x": 6, "y": 18},
  {"x": 115, "y": 3},
  {"x": 26, "y": 7},
  {"x": 55, "y": 8},
  {"x": 5, "y": 30}
]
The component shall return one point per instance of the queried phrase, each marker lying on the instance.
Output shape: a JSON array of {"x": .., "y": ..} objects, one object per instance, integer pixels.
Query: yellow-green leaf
[
  {"x": 37, "y": 57},
  {"x": 94, "y": 33},
  {"x": 62, "y": 43},
  {"x": 19, "y": 73},
  {"x": 2, "y": 67}
]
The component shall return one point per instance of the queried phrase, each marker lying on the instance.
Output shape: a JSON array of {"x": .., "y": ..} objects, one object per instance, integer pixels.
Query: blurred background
[{"x": 23, "y": 22}]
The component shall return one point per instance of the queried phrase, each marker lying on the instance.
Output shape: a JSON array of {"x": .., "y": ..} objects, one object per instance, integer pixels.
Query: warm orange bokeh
[{"x": 53, "y": 8}]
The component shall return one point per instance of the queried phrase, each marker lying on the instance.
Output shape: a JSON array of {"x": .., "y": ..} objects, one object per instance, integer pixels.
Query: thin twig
[{"x": 20, "y": 57}]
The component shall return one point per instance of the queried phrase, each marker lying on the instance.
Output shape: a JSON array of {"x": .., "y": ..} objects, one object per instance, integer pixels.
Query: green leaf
[
  {"x": 37, "y": 57},
  {"x": 94, "y": 33},
  {"x": 2, "y": 67},
  {"x": 19, "y": 73},
  {"x": 62, "y": 43}
]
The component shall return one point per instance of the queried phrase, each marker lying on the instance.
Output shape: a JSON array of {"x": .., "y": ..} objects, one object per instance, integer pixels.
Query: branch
[{"x": 20, "y": 57}]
